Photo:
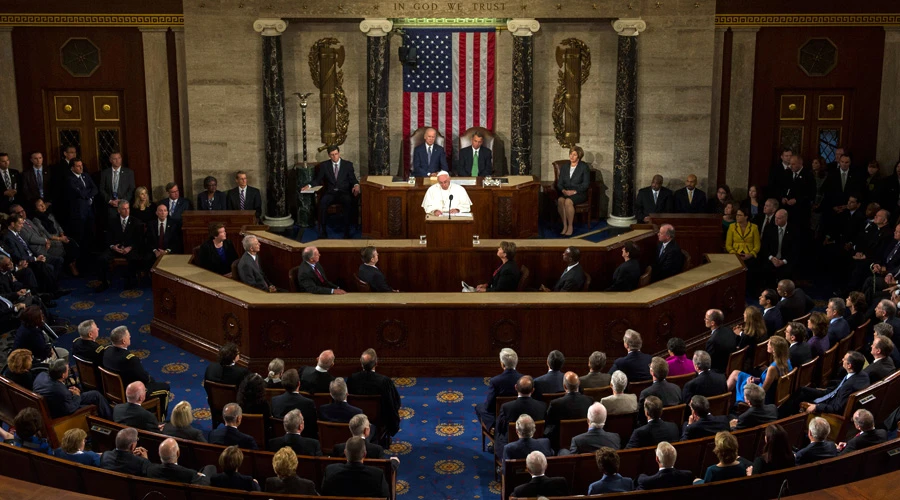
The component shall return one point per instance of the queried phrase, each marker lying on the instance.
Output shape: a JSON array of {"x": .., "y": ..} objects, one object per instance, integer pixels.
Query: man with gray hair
[
  {"x": 132, "y": 413},
  {"x": 354, "y": 479},
  {"x": 838, "y": 328},
  {"x": 293, "y": 426},
  {"x": 759, "y": 412},
  {"x": 595, "y": 438},
  {"x": 722, "y": 341},
  {"x": 595, "y": 376},
  {"x": 360, "y": 427},
  {"x": 540, "y": 485},
  {"x": 169, "y": 470},
  {"x": 669, "y": 260},
  {"x": 708, "y": 383},
  {"x": 128, "y": 457},
  {"x": 868, "y": 435},
  {"x": 819, "y": 448},
  {"x": 500, "y": 385},
  {"x": 701, "y": 422},
  {"x": 249, "y": 269},
  {"x": 117, "y": 359},
  {"x": 228, "y": 434},
  {"x": 620, "y": 402},
  {"x": 339, "y": 410},
  {"x": 316, "y": 379},
  {"x": 526, "y": 443},
  {"x": 312, "y": 278},
  {"x": 886, "y": 312},
  {"x": 635, "y": 365},
  {"x": 428, "y": 157},
  {"x": 882, "y": 365},
  {"x": 667, "y": 476},
  {"x": 85, "y": 346},
  {"x": 573, "y": 405}
]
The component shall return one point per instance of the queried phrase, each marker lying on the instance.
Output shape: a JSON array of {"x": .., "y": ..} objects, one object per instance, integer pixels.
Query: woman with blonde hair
[
  {"x": 730, "y": 465},
  {"x": 276, "y": 370},
  {"x": 779, "y": 348},
  {"x": 143, "y": 208},
  {"x": 751, "y": 332},
  {"x": 72, "y": 448},
  {"x": 18, "y": 368},
  {"x": 180, "y": 424},
  {"x": 284, "y": 463}
]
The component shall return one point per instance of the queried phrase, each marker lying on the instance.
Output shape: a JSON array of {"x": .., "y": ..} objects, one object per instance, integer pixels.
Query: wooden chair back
[
  {"x": 569, "y": 429},
  {"x": 736, "y": 360},
  {"x": 90, "y": 375},
  {"x": 636, "y": 387},
  {"x": 322, "y": 398},
  {"x": 785, "y": 387},
  {"x": 292, "y": 279},
  {"x": 803, "y": 319},
  {"x": 805, "y": 375},
  {"x": 719, "y": 405},
  {"x": 687, "y": 260},
  {"x": 513, "y": 436},
  {"x": 674, "y": 414},
  {"x": 254, "y": 425},
  {"x": 277, "y": 425},
  {"x": 598, "y": 393},
  {"x": 645, "y": 278},
  {"x": 370, "y": 405},
  {"x": 271, "y": 392},
  {"x": 843, "y": 348},
  {"x": 622, "y": 424},
  {"x": 332, "y": 433},
  {"x": 234, "y": 271},
  {"x": 113, "y": 388},
  {"x": 681, "y": 380},
  {"x": 760, "y": 356},
  {"x": 524, "y": 277},
  {"x": 217, "y": 396},
  {"x": 581, "y": 208},
  {"x": 361, "y": 286},
  {"x": 550, "y": 396},
  {"x": 587, "y": 283},
  {"x": 827, "y": 366},
  {"x": 859, "y": 335}
]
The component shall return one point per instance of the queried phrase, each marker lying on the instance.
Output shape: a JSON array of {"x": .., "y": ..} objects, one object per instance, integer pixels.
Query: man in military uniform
[
  {"x": 85, "y": 346},
  {"x": 117, "y": 359}
]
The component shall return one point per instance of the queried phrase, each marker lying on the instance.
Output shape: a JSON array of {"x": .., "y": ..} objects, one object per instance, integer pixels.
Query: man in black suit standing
[
  {"x": 36, "y": 182},
  {"x": 243, "y": 197},
  {"x": 368, "y": 382},
  {"x": 128, "y": 457},
  {"x": 163, "y": 235},
  {"x": 701, "y": 423},
  {"x": 10, "y": 179},
  {"x": 78, "y": 200},
  {"x": 573, "y": 405},
  {"x": 311, "y": 278},
  {"x": 656, "y": 430},
  {"x": 339, "y": 187},
  {"x": 868, "y": 435},
  {"x": 707, "y": 383},
  {"x": 595, "y": 438},
  {"x": 316, "y": 379},
  {"x": 59, "y": 171},
  {"x": 540, "y": 485},
  {"x": 768, "y": 300},
  {"x": 669, "y": 260},
  {"x": 428, "y": 157},
  {"x": 779, "y": 172},
  {"x": 779, "y": 250},
  {"x": 759, "y": 412},
  {"x": 668, "y": 476},
  {"x": 339, "y": 410},
  {"x": 765, "y": 220},
  {"x": 132, "y": 413},
  {"x": 228, "y": 434},
  {"x": 690, "y": 199},
  {"x": 839, "y": 185},
  {"x": 116, "y": 183},
  {"x": 176, "y": 204},
  {"x": 656, "y": 199},
  {"x": 293, "y": 400},
  {"x": 800, "y": 352},
  {"x": 794, "y": 302},
  {"x": 573, "y": 277},
  {"x": 721, "y": 343},
  {"x": 524, "y": 404},
  {"x": 124, "y": 238},
  {"x": 475, "y": 160},
  {"x": 293, "y": 430},
  {"x": 62, "y": 400},
  {"x": 636, "y": 364},
  {"x": 503, "y": 384},
  {"x": 369, "y": 272},
  {"x": 354, "y": 479}
]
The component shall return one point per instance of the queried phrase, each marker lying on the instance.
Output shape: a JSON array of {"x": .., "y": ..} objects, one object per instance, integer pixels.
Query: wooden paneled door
[
  {"x": 93, "y": 121},
  {"x": 814, "y": 122}
]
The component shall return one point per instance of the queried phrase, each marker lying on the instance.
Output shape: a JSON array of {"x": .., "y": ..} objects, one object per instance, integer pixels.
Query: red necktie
[
  {"x": 162, "y": 232},
  {"x": 321, "y": 278},
  {"x": 497, "y": 270}
]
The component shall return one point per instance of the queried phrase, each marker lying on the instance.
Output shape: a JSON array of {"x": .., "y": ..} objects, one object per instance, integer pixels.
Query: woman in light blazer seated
[
  {"x": 572, "y": 187},
  {"x": 619, "y": 402}
]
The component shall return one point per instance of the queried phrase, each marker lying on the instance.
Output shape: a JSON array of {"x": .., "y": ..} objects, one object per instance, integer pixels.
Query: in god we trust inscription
[{"x": 450, "y": 7}]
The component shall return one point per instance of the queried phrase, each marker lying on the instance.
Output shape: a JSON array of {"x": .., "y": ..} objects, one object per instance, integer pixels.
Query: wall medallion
[
  {"x": 392, "y": 333},
  {"x": 232, "y": 328},
  {"x": 277, "y": 334}
]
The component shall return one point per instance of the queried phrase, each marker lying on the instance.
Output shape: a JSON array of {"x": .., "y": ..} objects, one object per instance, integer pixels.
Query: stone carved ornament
[
  {"x": 324, "y": 63},
  {"x": 574, "y": 59}
]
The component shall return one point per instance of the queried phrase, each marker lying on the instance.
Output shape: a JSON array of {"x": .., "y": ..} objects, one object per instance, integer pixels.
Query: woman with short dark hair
[
  {"x": 679, "y": 364},
  {"x": 572, "y": 186},
  {"x": 506, "y": 277},
  {"x": 30, "y": 334},
  {"x": 627, "y": 276},
  {"x": 216, "y": 253},
  {"x": 230, "y": 461}
]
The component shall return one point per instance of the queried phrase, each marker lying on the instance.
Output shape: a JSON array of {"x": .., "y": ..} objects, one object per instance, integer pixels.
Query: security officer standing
[
  {"x": 117, "y": 359},
  {"x": 85, "y": 346}
]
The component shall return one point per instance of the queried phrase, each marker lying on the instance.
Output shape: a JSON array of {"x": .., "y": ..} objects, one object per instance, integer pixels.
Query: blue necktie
[{"x": 832, "y": 393}]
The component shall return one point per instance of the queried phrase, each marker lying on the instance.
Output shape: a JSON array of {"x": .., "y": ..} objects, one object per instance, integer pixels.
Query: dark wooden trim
[{"x": 725, "y": 104}]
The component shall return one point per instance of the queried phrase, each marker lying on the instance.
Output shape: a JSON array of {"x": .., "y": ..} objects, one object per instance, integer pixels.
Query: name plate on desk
[{"x": 464, "y": 182}]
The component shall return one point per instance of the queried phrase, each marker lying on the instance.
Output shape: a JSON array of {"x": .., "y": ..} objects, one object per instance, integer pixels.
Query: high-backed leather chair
[
  {"x": 465, "y": 140},
  {"x": 417, "y": 138}
]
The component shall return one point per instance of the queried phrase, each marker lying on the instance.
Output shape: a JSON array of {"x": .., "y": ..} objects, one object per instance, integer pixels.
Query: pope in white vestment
[{"x": 437, "y": 198}]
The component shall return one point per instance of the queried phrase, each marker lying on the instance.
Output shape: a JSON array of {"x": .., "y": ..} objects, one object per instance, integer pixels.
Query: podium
[{"x": 453, "y": 232}]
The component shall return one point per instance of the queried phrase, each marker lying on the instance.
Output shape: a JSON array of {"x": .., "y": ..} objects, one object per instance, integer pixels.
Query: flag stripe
[
  {"x": 489, "y": 101},
  {"x": 476, "y": 78}
]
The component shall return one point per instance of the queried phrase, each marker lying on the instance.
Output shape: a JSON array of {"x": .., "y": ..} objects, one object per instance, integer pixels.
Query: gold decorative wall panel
[
  {"x": 807, "y": 19},
  {"x": 106, "y": 108},
  {"x": 831, "y": 107},
  {"x": 67, "y": 20},
  {"x": 67, "y": 107},
  {"x": 792, "y": 107}
]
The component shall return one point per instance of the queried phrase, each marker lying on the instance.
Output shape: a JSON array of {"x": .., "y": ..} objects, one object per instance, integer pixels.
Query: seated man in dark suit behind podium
[
  {"x": 311, "y": 277},
  {"x": 475, "y": 160},
  {"x": 369, "y": 272},
  {"x": 340, "y": 187},
  {"x": 654, "y": 199},
  {"x": 669, "y": 259},
  {"x": 573, "y": 278},
  {"x": 428, "y": 157}
]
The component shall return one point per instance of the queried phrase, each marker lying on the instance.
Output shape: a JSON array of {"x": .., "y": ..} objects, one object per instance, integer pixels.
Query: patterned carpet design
[{"x": 439, "y": 444}]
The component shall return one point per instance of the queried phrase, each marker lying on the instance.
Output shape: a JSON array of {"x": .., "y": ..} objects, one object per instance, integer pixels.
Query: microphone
[
  {"x": 448, "y": 207},
  {"x": 784, "y": 488}
]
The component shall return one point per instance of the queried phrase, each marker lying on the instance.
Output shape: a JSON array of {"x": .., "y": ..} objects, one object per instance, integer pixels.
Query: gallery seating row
[{"x": 14, "y": 398}]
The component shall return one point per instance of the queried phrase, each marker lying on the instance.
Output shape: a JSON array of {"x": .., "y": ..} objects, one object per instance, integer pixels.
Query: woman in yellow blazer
[{"x": 743, "y": 237}]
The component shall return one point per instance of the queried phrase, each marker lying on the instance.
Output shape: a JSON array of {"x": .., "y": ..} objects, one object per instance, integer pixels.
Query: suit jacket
[
  {"x": 294, "y": 485},
  {"x": 796, "y": 305},
  {"x": 669, "y": 393},
  {"x": 501, "y": 385},
  {"x": 611, "y": 484},
  {"x": 422, "y": 167},
  {"x": 344, "y": 181},
  {"x": 60, "y": 401},
  {"x": 300, "y": 445},
  {"x": 506, "y": 278},
  {"x": 774, "y": 321},
  {"x": 816, "y": 451},
  {"x": 696, "y": 205},
  {"x": 338, "y": 412},
  {"x": 834, "y": 193},
  {"x": 757, "y": 416},
  {"x": 548, "y": 383},
  {"x": 708, "y": 425},
  {"x": 14, "y": 180},
  {"x": 125, "y": 189},
  {"x": 369, "y": 382},
  {"x": 849, "y": 225},
  {"x": 131, "y": 236},
  {"x": 593, "y": 440},
  {"x": 708, "y": 384},
  {"x": 308, "y": 281},
  {"x": 838, "y": 329},
  {"x": 635, "y": 365},
  {"x": 134, "y": 415},
  {"x": 171, "y": 236},
  {"x": 789, "y": 252},
  {"x": 231, "y": 436},
  {"x": 174, "y": 472},
  {"x": 182, "y": 205},
  {"x": 354, "y": 480},
  {"x": 865, "y": 440},
  {"x": 229, "y": 375},
  {"x": 571, "y": 406},
  {"x": 374, "y": 277},
  {"x": 803, "y": 189},
  {"x": 644, "y": 204},
  {"x": 251, "y": 273},
  {"x": 542, "y": 486},
  {"x": 800, "y": 353},
  {"x": 217, "y": 203},
  {"x": 36, "y": 237},
  {"x": 189, "y": 433},
  {"x": 838, "y": 402},
  {"x": 79, "y": 196},
  {"x": 669, "y": 263},
  {"x": 125, "y": 462},
  {"x": 520, "y": 448},
  {"x": 571, "y": 280},
  {"x": 880, "y": 369},
  {"x": 580, "y": 180},
  {"x": 653, "y": 433},
  {"x": 208, "y": 257},
  {"x": 626, "y": 277},
  {"x": 252, "y": 200},
  {"x": 18, "y": 250},
  {"x": 284, "y": 403},
  {"x": 467, "y": 158},
  {"x": 234, "y": 481},
  {"x": 28, "y": 188},
  {"x": 594, "y": 379},
  {"x": 313, "y": 381},
  {"x": 512, "y": 410},
  {"x": 665, "y": 478},
  {"x": 618, "y": 404},
  {"x": 721, "y": 343},
  {"x": 372, "y": 451}
]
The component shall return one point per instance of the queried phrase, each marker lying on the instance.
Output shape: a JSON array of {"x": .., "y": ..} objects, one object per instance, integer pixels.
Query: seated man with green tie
[{"x": 475, "y": 160}]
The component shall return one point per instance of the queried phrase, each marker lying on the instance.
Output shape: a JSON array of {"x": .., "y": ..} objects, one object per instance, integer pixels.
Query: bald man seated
[
  {"x": 132, "y": 413},
  {"x": 316, "y": 379},
  {"x": 690, "y": 199},
  {"x": 169, "y": 470}
]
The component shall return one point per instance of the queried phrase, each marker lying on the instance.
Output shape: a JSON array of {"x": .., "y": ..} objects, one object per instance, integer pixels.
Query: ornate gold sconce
[
  {"x": 324, "y": 61},
  {"x": 574, "y": 59}
]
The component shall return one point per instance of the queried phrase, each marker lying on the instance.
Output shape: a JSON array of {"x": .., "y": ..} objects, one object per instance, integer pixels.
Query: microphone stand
[{"x": 449, "y": 208}]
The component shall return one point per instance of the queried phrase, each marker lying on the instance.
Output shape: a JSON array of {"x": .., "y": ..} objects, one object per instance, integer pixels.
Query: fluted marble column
[
  {"x": 378, "y": 113},
  {"x": 277, "y": 215},
  {"x": 522, "y": 114},
  {"x": 626, "y": 103}
]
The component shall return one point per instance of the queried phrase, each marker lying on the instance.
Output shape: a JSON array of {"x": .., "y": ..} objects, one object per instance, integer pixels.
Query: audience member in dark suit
[
  {"x": 798, "y": 194},
  {"x": 128, "y": 457},
  {"x": 228, "y": 434},
  {"x": 248, "y": 268},
  {"x": 124, "y": 239},
  {"x": 794, "y": 302},
  {"x": 85, "y": 345},
  {"x": 132, "y": 413},
  {"x": 78, "y": 203},
  {"x": 707, "y": 383},
  {"x": 339, "y": 186},
  {"x": 46, "y": 269},
  {"x": 227, "y": 371},
  {"x": 339, "y": 410},
  {"x": 667, "y": 392},
  {"x": 468, "y": 165},
  {"x": 428, "y": 157},
  {"x": 595, "y": 437},
  {"x": 627, "y": 276},
  {"x": 768, "y": 300},
  {"x": 175, "y": 203},
  {"x": 37, "y": 181},
  {"x": 117, "y": 359},
  {"x": 10, "y": 179},
  {"x": 573, "y": 277},
  {"x": 212, "y": 198},
  {"x": 360, "y": 427},
  {"x": 242, "y": 196},
  {"x": 316, "y": 379},
  {"x": 779, "y": 253},
  {"x": 526, "y": 443},
  {"x": 552, "y": 381},
  {"x": 655, "y": 199},
  {"x": 353, "y": 479},
  {"x": 595, "y": 376},
  {"x": 506, "y": 277},
  {"x": 116, "y": 183},
  {"x": 169, "y": 470},
  {"x": 759, "y": 412},
  {"x": 293, "y": 427},
  {"x": 368, "y": 382},
  {"x": 62, "y": 401},
  {"x": 882, "y": 365},
  {"x": 572, "y": 186},
  {"x": 284, "y": 463},
  {"x": 180, "y": 424},
  {"x": 656, "y": 430},
  {"x": 833, "y": 400},
  {"x": 501, "y": 385},
  {"x": 635, "y": 365},
  {"x": 230, "y": 461},
  {"x": 721, "y": 342},
  {"x": 540, "y": 485},
  {"x": 867, "y": 436},
  {"x": 293, "y": 400},
  {"x": 369, "y": 272},
  {"x": 701, "y": 423},
  {"x": 216, "y": 253},
  {"x": 524, "y": 404},
  {"x": 690, "y": 199},
  {"x": 667, "y": 476},
  {"x": 838, "y": 328},
  {"x": 819, "y": 447},
  {"x": 668, "y": 260},
  {"x": 573, "y": 405},
  {"x": 163, "y": 235},
  {"x": 779, "y": 173},
  {"x": 72, "y": 449},
  {"x": 611, "y": 482},
  {"x": 800, "y": 351},
  {"x": 312, "y": 278}
]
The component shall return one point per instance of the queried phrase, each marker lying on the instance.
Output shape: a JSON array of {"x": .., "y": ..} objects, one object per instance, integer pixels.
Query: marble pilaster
[
  {"x": 183, "y": 116},
  {"x": 715, "y": 112},
  {"x": 378, "y": 110},
  {"x": 522, "y": 94},
  {"x": 274, "y": 130},
  {"x": 740, "y": 108},
  {"x": 10, "y": 138},
  {"x": 159, "y": 114},
  {"x": 888, "y": 148}
]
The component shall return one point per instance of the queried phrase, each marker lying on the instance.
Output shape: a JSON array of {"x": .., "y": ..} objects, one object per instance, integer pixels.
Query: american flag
[{"x": 452, "y": 86}]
